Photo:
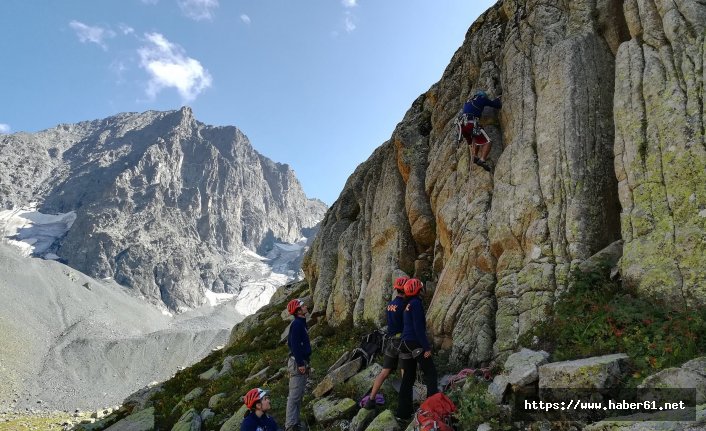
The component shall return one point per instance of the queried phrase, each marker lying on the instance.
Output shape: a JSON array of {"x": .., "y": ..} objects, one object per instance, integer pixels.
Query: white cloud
[
  {"x": 126, "y": 29},
  {"x": 169, "y": 66},
  {"x": 349, "y": 18},
  {"x": 118, "y": 68},
  {"x": 4, "y": 128},
  {"x": 349, "y": 24},
  {"x": 87, "y": 33},
  {"x": 245, "y": 18},
  {"x": 198, "y": 9}
]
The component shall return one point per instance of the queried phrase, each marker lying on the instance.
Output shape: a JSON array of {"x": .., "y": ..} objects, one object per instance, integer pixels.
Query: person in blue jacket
[
  {"x": 256, "y": 418},
  {"x": 415, "y": 348},
  {"x": 395, "y": 316},
  {"x": 298, "y": 362},
  {"x": 471, "y": 129}
]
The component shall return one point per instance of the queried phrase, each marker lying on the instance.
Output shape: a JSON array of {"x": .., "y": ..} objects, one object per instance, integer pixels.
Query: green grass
[
  {"x": 599, "y": 316},
  {"x": 266, "y": 351},
  {"x": 26, "y": 423}
]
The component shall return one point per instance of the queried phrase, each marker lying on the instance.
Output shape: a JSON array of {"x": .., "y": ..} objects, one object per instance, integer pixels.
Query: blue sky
[{"x": 317, "y": 84}]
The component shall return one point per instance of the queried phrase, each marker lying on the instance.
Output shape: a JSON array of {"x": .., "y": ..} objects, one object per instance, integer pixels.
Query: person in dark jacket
[
  {"x": 298, "y": 362},
  {"x": 256, "y": 418},
  {"x": 415, "y": 348},
  {"x": 395, "y": 322},
  {"x": 471, "y": 129}
]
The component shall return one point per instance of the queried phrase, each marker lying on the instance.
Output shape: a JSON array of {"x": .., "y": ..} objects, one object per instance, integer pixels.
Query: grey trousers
[{"x": 297, "y": 385}]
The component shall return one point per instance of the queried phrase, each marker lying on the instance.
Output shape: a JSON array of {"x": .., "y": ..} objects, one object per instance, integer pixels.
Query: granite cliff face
[
  {"x": 600, "y": 138},
  {"x": 163, "y": 202}
]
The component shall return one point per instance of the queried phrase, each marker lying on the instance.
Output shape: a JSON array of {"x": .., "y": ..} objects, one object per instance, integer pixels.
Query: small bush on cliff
[
  {"x": 476, "y": 407},
  {"x": 598, "y": 316}
]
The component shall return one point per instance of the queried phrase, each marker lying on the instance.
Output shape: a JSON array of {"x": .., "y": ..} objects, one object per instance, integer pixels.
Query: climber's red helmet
[
  {"x": 399, "y": 283},
  {"x": 412, "y": 287},
  {"x": 254, "y": 396},
  {"x": 294, "y": 305}
]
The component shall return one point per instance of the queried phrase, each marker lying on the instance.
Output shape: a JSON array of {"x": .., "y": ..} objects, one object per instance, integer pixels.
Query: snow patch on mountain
[
  {"x": 262, "y": 275},
  {"x": 213, "y": 298},
  {"x": 32, "y": 232}
]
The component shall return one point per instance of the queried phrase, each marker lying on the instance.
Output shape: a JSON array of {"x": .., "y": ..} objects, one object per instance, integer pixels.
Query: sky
[{"x": 316, "y": 84}]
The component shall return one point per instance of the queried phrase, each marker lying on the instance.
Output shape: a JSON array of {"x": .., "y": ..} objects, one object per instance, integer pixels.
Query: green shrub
[
  {"x": 598, "y": 316},
  {"x": 476, "y": 407}
]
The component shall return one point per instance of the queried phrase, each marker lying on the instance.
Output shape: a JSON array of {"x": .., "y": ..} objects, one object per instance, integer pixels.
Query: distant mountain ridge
[{"x": 163, "y": 202}]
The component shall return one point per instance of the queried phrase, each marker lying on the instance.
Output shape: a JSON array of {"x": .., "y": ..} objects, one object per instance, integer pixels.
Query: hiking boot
[
  {"x": 402, "y": 421},
  {"x": 475, "y": 160}
]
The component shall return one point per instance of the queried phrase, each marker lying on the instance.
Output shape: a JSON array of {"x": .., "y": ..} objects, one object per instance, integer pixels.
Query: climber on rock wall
[{"x": 470, "y": 128}]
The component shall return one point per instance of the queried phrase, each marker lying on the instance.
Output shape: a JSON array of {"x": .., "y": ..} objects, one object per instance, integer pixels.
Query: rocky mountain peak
[{"x": 163, "y": 202}]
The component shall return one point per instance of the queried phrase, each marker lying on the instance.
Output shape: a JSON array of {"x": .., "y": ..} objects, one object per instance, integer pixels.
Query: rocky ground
[
  {"x": 66, "y": 337},
  {"x": 208, "y": 395}
]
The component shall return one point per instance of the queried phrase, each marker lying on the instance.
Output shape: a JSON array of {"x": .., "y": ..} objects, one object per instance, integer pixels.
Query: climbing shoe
[
  {"x": 370, "y": 404},
  {"x": 483, "y": 164},
  {"x": 476, "y": 160}
]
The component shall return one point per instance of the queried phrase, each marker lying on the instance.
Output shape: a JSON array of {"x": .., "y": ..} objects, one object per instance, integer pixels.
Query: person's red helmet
[
  {"x": 254, "y": 396},
  {"x": 399, "y": 283},
  {"x": 294, "y": 305},
  {"x": 412, "y": 287}
]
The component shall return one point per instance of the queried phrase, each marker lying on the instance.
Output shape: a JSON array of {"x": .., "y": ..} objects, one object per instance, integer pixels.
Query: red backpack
[{"x": 435, "y": 414}]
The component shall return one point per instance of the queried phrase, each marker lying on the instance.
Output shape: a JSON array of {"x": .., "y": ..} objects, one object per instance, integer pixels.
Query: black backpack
[{"x": 371, "y": 345}]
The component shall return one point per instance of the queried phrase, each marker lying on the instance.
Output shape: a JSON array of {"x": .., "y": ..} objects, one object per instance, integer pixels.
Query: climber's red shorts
[{"x": 480, "y": 139}]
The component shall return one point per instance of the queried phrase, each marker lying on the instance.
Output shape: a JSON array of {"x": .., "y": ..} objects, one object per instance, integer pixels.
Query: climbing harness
[{"x": 465, "y": 119}]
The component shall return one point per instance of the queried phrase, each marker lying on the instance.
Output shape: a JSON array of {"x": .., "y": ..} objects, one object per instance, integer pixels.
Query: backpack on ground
[
  {"x": 435, "y": 414},
  {"x": 371, "y": 345}
]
